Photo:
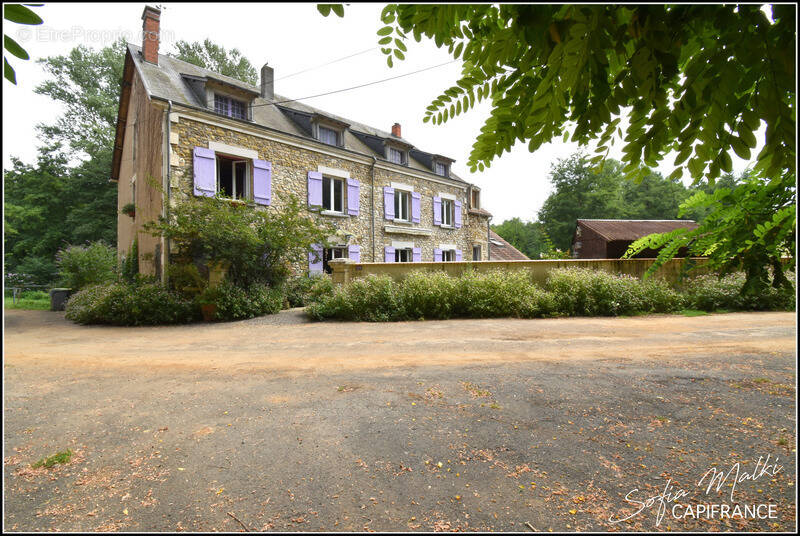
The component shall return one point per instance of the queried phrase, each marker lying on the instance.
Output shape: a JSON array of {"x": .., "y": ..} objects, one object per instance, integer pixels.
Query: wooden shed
[{"x": 609, "y": 239}]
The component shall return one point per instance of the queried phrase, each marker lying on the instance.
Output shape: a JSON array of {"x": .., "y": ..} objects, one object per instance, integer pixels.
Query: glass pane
[
  {"x": 225, "y": 177},
  {"x": 337, "y": 195},
  {"x": 326, "y": 194}
]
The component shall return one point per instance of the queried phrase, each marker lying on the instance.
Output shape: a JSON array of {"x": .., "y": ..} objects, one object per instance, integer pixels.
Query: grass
[
  {"x": 692, "y": 312},
  {"x": 59, "y": 457},
  {"x": 36, "y": 303}
]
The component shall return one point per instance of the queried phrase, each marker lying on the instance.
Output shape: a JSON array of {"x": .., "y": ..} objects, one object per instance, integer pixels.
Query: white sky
[{"x": 292, "y": 38}]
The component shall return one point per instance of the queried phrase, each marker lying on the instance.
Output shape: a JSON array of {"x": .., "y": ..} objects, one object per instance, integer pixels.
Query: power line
[
  {"x": 356, "y": 87},
  {"x": 325, "y": 64}
]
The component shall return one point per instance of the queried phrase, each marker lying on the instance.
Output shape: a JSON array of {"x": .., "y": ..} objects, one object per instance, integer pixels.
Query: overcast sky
[{"x": 291, "y": 38}]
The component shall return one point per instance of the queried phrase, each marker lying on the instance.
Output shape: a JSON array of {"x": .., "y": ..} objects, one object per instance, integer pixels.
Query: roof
[
  {"x": 613, "y": 230},
  {"x": 500, "y": 250},
  {"x": 173, "y": 80}
]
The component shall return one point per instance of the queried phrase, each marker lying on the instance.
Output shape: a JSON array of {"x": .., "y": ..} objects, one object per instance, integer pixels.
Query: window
[
  {"x": 476, "y": 253},
  {"x": 397, "y": 156},
  {"x": 328, "y": 135},
  {"x": 233, "y": 177},
  {"x": 440, "y": 169},
  {"x": 403, "y": 255},
  {"x": 230, "y": 107},
  {"x": 475, "y": 201},
  {"x": 332, "y": 253},
  {"x": 447, "y": 212},
  {"x": 402, "y": 203},
  {"x": 332, "y": 194},
  {"x": 448, "y": 255}
]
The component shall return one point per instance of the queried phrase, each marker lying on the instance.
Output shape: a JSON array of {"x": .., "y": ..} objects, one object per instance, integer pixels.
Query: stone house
[{"x": 185, "y": 131}]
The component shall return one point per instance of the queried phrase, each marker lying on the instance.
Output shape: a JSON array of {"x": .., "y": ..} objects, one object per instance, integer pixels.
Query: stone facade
[{"x": 291, "y": 163}]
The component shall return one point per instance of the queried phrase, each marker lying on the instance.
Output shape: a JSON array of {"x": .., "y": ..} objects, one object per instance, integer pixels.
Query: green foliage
[
  {"x": 29, "y": 300},
  {"x": 19, "y": 14},
  {"x": 129, "y": 267},
  {"x": 81, "y": 266},
  {"x": 525, "y": 236},
  {"x": 130, "y": 304},
  {"x": 258, "y": 245},
  {"x": 215, "y": 58},
  {"x": 749, "y": 227},
  {"x": 236, "y": 303},
  {"x": 185, "y": 279},
  {"x": 59, "y": 457},
  {"x": 567, "y": 292},
  {"x": 300, "y": 289}
]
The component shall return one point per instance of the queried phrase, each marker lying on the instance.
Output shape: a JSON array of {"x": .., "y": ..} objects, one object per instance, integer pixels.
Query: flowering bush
[
  {"x": 235, "y": 303},
  {"x": 710, "y": 292},
  {"x": 93, "y": 264}
]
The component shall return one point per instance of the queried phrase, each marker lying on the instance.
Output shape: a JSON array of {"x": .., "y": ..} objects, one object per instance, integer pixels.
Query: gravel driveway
[{"x": 278, "y": 424}]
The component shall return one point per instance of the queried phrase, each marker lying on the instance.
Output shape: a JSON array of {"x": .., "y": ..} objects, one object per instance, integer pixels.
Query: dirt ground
[{"x": 279, "y": 424}]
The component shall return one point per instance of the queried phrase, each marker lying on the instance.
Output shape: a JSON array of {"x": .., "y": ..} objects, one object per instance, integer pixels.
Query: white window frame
[
  {"x": 333, "y": 180},
  {"x": 478, "y": 248},
  {"x": 248, "y": 176},
  {"x": 407, "y": 252},
  {"x": 448, "y": 221},
  {"x": 336, "y": 135},
  {"x": 401, "y": 153},
  {"x": 445, "y": 168},
  {"x": 398, "y": 205},
  {"x": 337, "y": 252},
  {"x": 448, "y": 255}
]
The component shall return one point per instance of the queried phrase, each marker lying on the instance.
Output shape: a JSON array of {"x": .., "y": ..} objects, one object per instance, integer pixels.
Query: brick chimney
[
  {"x": 396, "y": 130},
  {"x": 151, "y": 17},
  {"x": 267, "y": 82}
]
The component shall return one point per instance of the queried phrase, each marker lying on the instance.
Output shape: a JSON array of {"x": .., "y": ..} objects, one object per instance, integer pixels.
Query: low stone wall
[{"x": 345, "y": 270}]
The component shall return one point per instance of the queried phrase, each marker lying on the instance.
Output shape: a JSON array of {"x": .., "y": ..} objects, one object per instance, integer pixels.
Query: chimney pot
[
  {"x": 151, "y": 18},
  {"x": 396, "y": 130},
  {"x": 267, "y": 82}
]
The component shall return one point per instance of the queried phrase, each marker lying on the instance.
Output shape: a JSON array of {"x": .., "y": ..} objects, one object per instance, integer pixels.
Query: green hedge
[
  {"x": 567, "y": 292},
  {"x": 236, "y": 303},
  {"x": 130, "y": 304}
]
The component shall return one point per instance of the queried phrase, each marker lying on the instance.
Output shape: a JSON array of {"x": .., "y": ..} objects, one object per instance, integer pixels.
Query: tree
[
  {"x": 215, "y": 58},
  {"x": 525, "y": 236},
  {"x": 695, "y": 79}
]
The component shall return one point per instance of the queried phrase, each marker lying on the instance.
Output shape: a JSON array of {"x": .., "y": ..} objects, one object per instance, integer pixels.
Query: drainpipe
[
  {"x": 488, "y": 239},
  {"x": 372, "y": 208},
  {"x": 169, "y": 189}
]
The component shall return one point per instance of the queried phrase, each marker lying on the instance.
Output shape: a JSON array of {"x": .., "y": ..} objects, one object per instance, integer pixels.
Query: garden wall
[{"x": 345, "y": 270}]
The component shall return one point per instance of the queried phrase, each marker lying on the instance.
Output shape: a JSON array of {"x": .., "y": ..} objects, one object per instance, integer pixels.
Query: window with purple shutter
[
  {"x": 417, "y": 255},
  {"x": 388, "y": 254},
  {"x": 416, "y": 199},
  {"x": 315, "y": 259},
  {"x": 205, "y": 172},
  {"x": 388, "y": 203},
  {"x": 458, "y": 255},
  {"x": 354, "y": 253},
  {"x": 458, "y": 215},
  {"x": 262, "y": 182},
  {"x": 353, "y": 190},
  {"x": 314, "y": 189},
  {"x": 437, "y": 210}
]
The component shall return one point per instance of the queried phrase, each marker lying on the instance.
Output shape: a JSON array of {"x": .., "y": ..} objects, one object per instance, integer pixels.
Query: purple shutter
[
  {"x": 458, "y": 214},
  {"x": 458, "y": 255},
  {"x": 388, "y": 202},
  {"x": 314, "y": 189},
  {"x": 354, "y": 253},
  {"x": 437, "y": 211},
  {"x": 205, "y": 172},
  {"x": 262, "y": 182},
  {"x": 315, "y": 259},
  {"x": 353, "y": 187},
  {"x": 437, "y": 255},
  {"x": 388, "y": 254},
  {"x": 416, "y": 255},
  {"x": 415, "y": 202}
]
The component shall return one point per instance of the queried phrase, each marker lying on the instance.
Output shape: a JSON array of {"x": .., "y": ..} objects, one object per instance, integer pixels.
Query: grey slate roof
[{"x": 176, "y": 80}]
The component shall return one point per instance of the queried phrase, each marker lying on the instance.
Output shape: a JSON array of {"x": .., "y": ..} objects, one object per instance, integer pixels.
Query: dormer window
[
  {"x": 441, "y": 168},
  {"x": 328, "y": 135},
  {"x": 397, "y": 156},
  {"x": 231, "y": 107}
]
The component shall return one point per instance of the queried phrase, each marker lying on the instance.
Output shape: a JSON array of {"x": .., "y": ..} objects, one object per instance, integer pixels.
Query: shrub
[
  {"x": 298, "y": 289},
  {"x": 129, "y": 267},
  {"x": 185, "y": 279},
  {"x": 372, "y": 299},
  {"x": 711, "y": 292},
  {"x": 428, "y": 295},
  {"x": 80, "y": 266},
  {"x": 129, "y": 304},
  {"x": 236, "y": 303},
  {"x": 500, "y": 294},
  {"x": 586, "y": 292}
]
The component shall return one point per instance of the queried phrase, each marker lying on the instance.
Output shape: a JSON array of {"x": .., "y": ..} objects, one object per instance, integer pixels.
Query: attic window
[
  {"x": 397, "y": 156},
  {"x": 230, "y": 107},
  {"x": 328, "y": 135},
  {"x": 441, "y": 169}
]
